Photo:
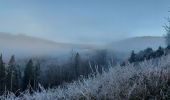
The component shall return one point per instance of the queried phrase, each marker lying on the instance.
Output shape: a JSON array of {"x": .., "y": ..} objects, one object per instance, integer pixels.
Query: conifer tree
[
  {"x": 77, "y": 64},
  {"x": 28, "y": 80},
  {"x": 13, "y": 75},
  {"x": 2, "y": 76},
  {"x": 132, "y": 57},
  {"x": 36, "y": 75}
]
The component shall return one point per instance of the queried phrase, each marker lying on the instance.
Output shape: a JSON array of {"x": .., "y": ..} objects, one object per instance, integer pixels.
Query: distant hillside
[
  {"x": 137, "y": 43},
  {"x": 26, "y": 46},
  {"x": 22, "y": 45}
]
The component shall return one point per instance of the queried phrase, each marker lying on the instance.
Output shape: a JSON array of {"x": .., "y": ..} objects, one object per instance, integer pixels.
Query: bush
[{"x": 147, "y": 80}]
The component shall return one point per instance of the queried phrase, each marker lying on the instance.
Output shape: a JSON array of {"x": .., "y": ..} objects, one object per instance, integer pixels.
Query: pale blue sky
[{"x": 84, "y": 21}]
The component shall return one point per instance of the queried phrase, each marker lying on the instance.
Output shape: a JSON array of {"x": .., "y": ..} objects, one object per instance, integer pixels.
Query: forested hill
[
  {"x": 138, "y": 43},
  {"x": 22, "y": 45}
]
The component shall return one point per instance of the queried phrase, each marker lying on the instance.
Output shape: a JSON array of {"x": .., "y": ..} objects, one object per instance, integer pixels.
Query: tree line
[
  {"x": 17, "y": 78},
  {"x": 147, "y": 54},
  {"x": 76, "y": 67},
  {"x": 11, "y": 78}
]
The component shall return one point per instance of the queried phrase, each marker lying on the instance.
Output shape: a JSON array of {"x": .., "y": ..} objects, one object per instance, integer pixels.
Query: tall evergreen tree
[
  {"x": 2, "y": 76},
  {"x": 36, "y": 75},
  {"x": 13, "y": 75},
  {"x": 28, "y": 80},
  {"x": 77, "y": 64},
  {"x": 132, "y": 57}
]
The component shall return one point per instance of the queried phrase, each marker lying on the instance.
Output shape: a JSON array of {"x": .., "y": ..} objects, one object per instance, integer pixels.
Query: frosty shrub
[{"x": 146, "y": 80}]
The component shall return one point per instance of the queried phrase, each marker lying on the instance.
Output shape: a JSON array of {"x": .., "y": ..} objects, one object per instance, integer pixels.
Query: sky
[{"x": 84, "y": 21}]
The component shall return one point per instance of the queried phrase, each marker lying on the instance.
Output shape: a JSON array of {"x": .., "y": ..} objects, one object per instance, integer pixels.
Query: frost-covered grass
[{"x": 146, "y": 80}]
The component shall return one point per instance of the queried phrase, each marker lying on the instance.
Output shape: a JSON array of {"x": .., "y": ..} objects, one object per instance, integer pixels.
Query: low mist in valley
[{"x": 84, "y": 50}]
